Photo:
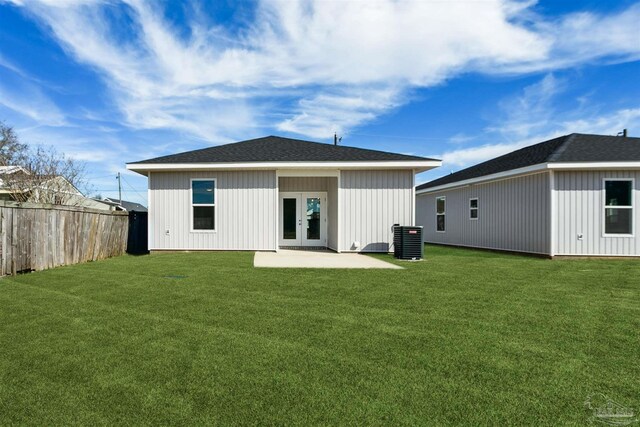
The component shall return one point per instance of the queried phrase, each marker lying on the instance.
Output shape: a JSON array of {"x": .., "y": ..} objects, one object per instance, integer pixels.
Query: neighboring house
[
  {"x": 273, "y": 192},
  {"x": 124, "y": 205},
  {"x": 572, "y": 195},
  {"x": 6, "y": 175},
  {"x": 16, "y": 184}
]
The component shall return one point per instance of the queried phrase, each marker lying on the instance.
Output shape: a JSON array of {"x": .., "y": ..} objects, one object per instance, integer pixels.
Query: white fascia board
[
  {"x": 495, "y": 176},
  {"x": 595, "y": 165},
  {"x": 418, "y": 165}
]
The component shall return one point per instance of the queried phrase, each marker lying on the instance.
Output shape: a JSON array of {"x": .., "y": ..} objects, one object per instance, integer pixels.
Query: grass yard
[{"x": 465, "y": 337}]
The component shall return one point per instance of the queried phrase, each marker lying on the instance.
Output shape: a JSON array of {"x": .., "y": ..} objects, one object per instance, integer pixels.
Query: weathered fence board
[{"x": 39, "y": 236}]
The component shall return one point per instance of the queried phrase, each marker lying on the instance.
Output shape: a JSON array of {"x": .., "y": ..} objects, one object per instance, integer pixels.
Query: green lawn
[{"x": 464, "y": 337}]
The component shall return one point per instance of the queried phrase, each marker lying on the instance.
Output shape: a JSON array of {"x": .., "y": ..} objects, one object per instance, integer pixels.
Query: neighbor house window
[
  {"x": 203, "y": 204},
  {"x": 473, "y": 208},
  {"x": 440, "y": 209},
  {"x": 618, "y": 206}
]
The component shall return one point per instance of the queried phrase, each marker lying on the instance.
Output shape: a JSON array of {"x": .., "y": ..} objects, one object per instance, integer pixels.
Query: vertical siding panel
[
  {"x": 513, "y": 215},
  {"x": 596, "y": 225},
  {"x": 372, "y": 202},
  {"x": 365, "y": 190},
  {"x": 581, "y": 202},
  {"x": 245, "y": 210},
  {"x": 261, "y": 226},
  {"x": 535, "y": 226},
  {"x": 562, "y": 226}
]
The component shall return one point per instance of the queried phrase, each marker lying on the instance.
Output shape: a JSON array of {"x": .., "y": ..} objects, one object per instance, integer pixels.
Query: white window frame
[
  {"x": 477, "y": 209},
  {"x": 214, "y": 204},
  {"x": 443, "y": 213},
  {"x": 605, "y": 207}
]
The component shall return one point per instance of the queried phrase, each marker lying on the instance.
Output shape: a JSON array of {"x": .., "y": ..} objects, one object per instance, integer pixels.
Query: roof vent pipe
[
  {"x": 623, "y": 133},
  {"x": 336, "y": 139}
]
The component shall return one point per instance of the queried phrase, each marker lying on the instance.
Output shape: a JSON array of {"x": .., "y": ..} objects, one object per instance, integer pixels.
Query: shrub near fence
[{"x": 37, "y": 236}]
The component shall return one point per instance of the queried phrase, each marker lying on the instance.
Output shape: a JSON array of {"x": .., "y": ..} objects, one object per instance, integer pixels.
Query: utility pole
[{"x": 119, "y": 188}]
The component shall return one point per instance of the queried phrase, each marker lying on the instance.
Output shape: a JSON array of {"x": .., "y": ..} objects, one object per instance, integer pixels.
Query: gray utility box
[{"x": 407, "y": 242}]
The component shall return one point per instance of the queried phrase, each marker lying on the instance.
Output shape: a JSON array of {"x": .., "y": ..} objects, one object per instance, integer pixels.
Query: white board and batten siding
[
  {"x": 363, "y": 205},
  {"x": 371, "y": 201},
  {"x": 289, "y": 184},
  {"x": 513, "y": 215},
  {"x": 579, "y": 199},
  {"x": 245, "y": 211}
]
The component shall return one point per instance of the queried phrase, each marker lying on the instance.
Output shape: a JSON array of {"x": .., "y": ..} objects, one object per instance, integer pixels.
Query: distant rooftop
[
  {"x": 127, "y": 205},
  {"x": 6, "y": 170},
  {"x": 573, "y": 148}
]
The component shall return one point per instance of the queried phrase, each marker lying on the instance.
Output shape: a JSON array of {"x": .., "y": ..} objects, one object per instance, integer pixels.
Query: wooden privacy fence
[{"x": 38, "y": 236}]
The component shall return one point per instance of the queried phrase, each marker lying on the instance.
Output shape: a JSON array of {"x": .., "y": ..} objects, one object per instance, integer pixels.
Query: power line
[
  {"x": 100, "y": 177},
  {"x": 131, "y": 186}
]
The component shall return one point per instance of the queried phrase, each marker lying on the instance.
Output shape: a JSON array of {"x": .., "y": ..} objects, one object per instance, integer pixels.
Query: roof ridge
[
  {"x": 555, "y": 155},
  {"x": 281, "y": 149}
]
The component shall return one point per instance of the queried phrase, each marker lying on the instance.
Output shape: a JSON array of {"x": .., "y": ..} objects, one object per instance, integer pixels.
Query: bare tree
[
  {"x": 12, "y": 152},
  {"x": 46, "y": 176}
]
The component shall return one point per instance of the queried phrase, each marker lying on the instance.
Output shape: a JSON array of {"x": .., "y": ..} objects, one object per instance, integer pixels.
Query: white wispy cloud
[
  {"x": 335, "y": 65},
  {"x": 530, "y": 117},
  {"x": 607, "y": 124},
  {"x": 27, "y": 99},
  {"x": 536, "y": 130},
  {"x": 603, "y": 124},
  {"x": 530, "y": 112},
  {"x": 340, "y": 110}
]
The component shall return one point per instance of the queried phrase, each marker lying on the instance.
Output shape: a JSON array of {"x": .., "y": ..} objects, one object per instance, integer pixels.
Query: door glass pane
[
  {"x": 313, "y": 218},
  {"x": 290, "y": 223}
]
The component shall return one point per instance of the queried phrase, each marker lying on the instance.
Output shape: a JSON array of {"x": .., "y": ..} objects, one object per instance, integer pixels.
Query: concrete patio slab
[{"x": 317, "y": 259}]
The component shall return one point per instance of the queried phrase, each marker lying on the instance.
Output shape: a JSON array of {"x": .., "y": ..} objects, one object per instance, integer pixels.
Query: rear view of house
[
  {"x": 572, "y": 195},
  {"x": 273, "y": 192}
]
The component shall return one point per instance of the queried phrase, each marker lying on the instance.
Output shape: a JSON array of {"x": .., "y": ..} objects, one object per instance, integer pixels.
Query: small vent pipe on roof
[{"x": 623, "y": 133}]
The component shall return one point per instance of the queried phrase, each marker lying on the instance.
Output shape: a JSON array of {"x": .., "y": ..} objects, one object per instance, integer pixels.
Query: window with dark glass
[
  {"x": 618, "y": 207},
  {"x": 473, "y": 208},
  {"x": 440, "y": 213},
  {"x": 203, "y": 204}
]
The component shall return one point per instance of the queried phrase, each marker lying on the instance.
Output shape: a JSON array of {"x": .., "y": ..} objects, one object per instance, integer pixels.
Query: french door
[{"x": 303, "y": 219}]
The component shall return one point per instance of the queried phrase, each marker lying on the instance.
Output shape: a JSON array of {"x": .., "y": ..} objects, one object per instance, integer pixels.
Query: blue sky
[{"x": 109, "y": 82}]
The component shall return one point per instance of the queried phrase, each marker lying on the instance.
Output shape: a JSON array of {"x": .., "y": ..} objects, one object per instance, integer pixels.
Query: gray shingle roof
[
  {"x": 129, "y": 206},
  {"x": 278, "y": 149},
  {"x": 571, "y": 148}
]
